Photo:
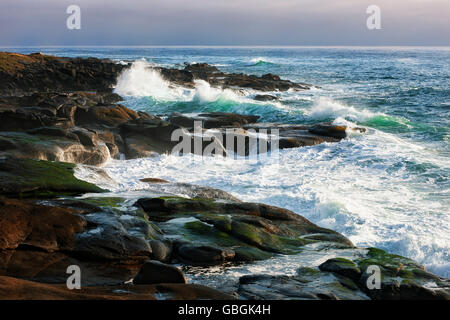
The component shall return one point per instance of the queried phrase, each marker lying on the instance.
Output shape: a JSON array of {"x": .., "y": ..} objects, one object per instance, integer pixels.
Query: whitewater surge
[
  {"x": 387, "y": 188},
  {"x": 325, "y": 108},
  {"x": 349, "y": 187},
  {"x": 141, "y": 80}
]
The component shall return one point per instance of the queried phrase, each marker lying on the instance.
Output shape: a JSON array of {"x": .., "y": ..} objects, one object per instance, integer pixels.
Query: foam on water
[
  {"x": 363, "y": 187},
  {"x": 141, "y": 80},
  {"x": 387, "y": 188},
  {"x": 326, "y": 108}
]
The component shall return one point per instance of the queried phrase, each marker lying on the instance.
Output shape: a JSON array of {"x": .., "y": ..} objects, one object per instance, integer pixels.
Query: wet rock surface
[
  {"x": 76, "y": 118},
  {"x": 28, "y": 177},
  {"x": 215, "y": 77},
  {"x": 157, "y": 272},
  {"x": 37, "y": 72},
  {"x": 57, "y": 110},
  {"x": 18, "y": 289}
]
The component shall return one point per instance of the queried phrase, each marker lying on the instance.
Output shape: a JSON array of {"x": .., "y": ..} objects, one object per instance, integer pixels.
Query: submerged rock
[{"x": 153, "y": 180}]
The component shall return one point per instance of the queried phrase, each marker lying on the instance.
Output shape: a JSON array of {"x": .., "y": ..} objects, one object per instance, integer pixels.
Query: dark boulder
[
  {"x": 341, "y": 266},
  {"x": 154, "y": 272},
  {"x": 113, "y": 115},
  {"x": 42, "y": 227},
  {"x": 204, "y": 254},
  {"x": 307, "y": 284},
  {"x": 265, "y": 97},
  {"x": 161, "y": 250},
  {"x": 331, "y": 130}
]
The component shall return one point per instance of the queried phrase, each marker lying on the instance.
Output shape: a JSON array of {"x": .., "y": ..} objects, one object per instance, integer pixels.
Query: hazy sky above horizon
[{"x": 227, "y": 22}]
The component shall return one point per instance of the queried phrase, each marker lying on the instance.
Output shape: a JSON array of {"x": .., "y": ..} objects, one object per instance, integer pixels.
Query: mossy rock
[
  {"x": 202, "y": 233},
  {"x": 165, "y": 208},
  {"x": 260, "y": 238},
  {"x": 392, "y": 265},
  {"x": 38, "y": 178},
  {"x": 307, "y": 271},
  {"x": 198, "y": 231},
  {"x": 105, "y": 202},
  {"x": 251, "y": 254},
  {"x": 343, "y": 267},
  {"x": 401, "y": 278}
]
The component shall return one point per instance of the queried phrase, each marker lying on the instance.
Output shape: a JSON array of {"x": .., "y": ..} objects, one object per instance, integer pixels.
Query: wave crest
[{"x": 326, "y": 109}]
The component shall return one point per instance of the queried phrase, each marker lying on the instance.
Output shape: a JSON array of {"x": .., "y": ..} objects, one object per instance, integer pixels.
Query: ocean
[{"x": 388, "y": 188}]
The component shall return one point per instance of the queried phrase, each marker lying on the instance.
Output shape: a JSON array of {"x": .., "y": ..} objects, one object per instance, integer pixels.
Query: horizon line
[{"x": 225, "y": 46}]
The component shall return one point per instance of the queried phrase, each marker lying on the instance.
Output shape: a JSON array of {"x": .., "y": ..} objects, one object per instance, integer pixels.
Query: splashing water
[{"x": 388, "y": 188}]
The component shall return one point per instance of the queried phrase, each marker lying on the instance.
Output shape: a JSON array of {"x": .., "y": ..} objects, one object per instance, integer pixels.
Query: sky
[{"x": 225, "y": 23}]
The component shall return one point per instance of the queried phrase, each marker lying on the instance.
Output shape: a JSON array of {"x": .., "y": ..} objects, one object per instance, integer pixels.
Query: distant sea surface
[{"x": 388, "y": 188}]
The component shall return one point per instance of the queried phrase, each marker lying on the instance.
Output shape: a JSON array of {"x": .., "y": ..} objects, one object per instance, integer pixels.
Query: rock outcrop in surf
[{"x": 59, "y": 112}]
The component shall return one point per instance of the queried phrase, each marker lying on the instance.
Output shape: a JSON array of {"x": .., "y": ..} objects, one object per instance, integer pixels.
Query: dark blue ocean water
[{"x": 388, "y": 188}]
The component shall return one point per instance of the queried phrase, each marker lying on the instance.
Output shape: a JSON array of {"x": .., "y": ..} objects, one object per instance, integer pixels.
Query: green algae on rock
[
  {"x": 28, "y": 178},
  {"x": 232, "y": 231}
]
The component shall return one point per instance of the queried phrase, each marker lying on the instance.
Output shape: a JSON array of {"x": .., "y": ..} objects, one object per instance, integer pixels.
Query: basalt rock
[
  {"x": 55, "y": 144},
  {"x": 153, "y": 272},
  {"x": 40, "y": 227},
  {"x": 153, "y": 180},
  {"x": 39, "y": 242},
  {"x": 213, "y": 120},
  {"x": 400, "y": 278},
  {"x": 333, "y": 131},
  {"x": 17, "y": 289},
  {"x": 161, "y": 250},
  {"x": 343, "y": 267},
  {"x": 204, "y": 254},
  {"x": 105, "y": 129},
  {"x": 26, "y": 177},
  {"x": 217, "y": 78},
  {"x": 218, "y": 231},
  {"x": 21, "y": 74},
  {"x": 308, "y": 284},
  {"x": 265, "y": 97}
]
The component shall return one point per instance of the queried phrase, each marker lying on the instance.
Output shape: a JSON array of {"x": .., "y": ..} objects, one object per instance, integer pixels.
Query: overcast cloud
[{"x": 225, "y": 22}]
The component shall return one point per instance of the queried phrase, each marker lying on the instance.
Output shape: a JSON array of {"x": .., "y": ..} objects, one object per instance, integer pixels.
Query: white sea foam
[
  {"x": 141, "y": 80},
  {"x": 326, "y": 108},
  {"x": 360, "y": 187}
]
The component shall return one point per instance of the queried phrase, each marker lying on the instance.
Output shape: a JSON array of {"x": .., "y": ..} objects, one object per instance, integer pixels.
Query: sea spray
[{"x": 387, "y": 188}]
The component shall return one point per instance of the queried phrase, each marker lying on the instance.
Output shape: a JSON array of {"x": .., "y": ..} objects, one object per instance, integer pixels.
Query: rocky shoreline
[{"x": 57, "y": 113}]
